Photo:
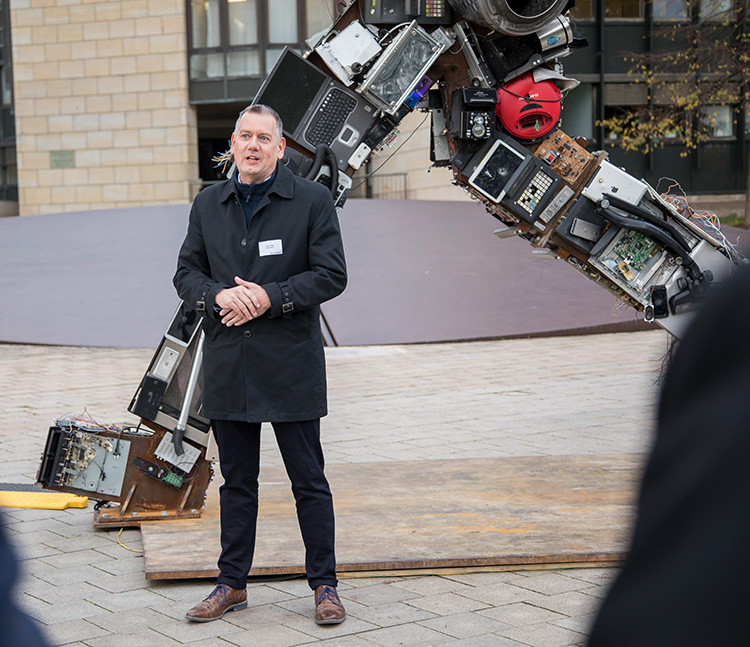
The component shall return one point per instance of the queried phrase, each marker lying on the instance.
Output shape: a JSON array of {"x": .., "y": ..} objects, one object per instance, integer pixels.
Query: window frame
[
  {"x": 641, "y": 17},
  {"x": 8, "y": 153},
  {"x": 672, "y": 19},
  {"x": 718, "y": 16},
  {"x": 224, "y": 49},
  {"x": 733, "y": 121}
]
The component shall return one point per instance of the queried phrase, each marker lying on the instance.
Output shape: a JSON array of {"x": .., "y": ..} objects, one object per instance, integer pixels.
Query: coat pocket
[{"x": 299, "y": 326}]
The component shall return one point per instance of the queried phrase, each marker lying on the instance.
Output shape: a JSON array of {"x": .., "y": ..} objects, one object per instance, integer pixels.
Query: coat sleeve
[
  {"x": 192, "y": 280},
  {"x": 326, "y": 276}
]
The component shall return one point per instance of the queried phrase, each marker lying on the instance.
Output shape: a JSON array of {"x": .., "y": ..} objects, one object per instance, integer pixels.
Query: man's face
[{"x": 256, "y": 148}]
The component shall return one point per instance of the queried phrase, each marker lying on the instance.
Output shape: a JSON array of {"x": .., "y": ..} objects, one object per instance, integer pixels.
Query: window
[
  {"x": 243, "y": 22},
  {"x": 716, "y": 121},
  {"x": 282, "y": 21},
  {"x": 715, "y": 9},
  {"x": 578, "y": 112},
  {"x": 8, "y": 173},
  {"x": 235, "y": 43},
  {"x": 618, "y": 119},
  {"x": 623, "y": 9},
  {"x": 320, "y": 15},
  {"x": 8, "y": 167},
  {"x": 622, "y": 109},
  {"x": 625, "y": 94},
  {"x": 583, "y": 9},
  {"x": 205, "y": 14},
  {"x": 670, "y": 9},
  {"x": 226, "y": 39}
]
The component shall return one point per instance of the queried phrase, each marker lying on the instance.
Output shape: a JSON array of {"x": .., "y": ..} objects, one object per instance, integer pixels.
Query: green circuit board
[{"x": 632, "y": 253}]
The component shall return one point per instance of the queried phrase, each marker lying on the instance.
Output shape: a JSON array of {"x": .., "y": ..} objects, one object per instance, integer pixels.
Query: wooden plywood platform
[{"x": 428, "y": 514}]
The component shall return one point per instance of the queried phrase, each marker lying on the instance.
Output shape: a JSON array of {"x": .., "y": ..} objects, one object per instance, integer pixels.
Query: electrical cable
[
  {"x": 459, "y": 49},
  {"x": 647, "y": 229},
  {"x": 391, "y": 30},
  {"x": 707, "y": 219},
  {"x": 116, "y": 451},
  {"x": 619, "y": 308},
  {"x": 413, "y": 132},
  {"x": 102, "y": 473},
  {"x": 528, "y": 99},
  {"x": 333, "y": 165},
  {"x": 642, "y": 213},
  {"x": 324, "y": 155},
  {"x": 132, "y": 550},
  {"x": 317, "y": 162}
]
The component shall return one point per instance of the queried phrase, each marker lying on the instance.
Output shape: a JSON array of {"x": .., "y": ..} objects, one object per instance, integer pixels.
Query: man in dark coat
[
  {"x": 262, "y": 252},
  {"x": 686, "y": 580}
]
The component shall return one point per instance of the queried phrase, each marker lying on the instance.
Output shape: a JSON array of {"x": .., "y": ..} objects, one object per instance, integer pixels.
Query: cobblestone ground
[{"x": 570, "y": 395}]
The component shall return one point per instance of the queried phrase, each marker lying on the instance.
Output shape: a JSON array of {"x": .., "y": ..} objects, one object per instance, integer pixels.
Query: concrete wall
[{"x": 101, "y": 100}]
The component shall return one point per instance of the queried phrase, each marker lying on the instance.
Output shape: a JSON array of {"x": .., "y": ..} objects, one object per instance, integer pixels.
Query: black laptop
[{"x": 314, "y": 107}]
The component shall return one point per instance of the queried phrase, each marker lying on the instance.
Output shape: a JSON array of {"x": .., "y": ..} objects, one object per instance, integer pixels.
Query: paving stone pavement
[{"x": 553, "y": 396}]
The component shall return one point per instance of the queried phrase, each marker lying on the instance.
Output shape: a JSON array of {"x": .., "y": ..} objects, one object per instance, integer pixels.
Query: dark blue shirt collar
[
  {"x": 252, "y": 194},
  {"x": 256, "y": 190}
]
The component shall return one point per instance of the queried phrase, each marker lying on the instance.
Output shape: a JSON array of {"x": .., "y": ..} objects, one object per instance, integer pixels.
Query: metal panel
[{"x": 625, "y": 94}]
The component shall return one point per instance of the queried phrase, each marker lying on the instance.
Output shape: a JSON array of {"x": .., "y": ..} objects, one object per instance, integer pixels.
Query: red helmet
[{"x": 528, "y": 109}]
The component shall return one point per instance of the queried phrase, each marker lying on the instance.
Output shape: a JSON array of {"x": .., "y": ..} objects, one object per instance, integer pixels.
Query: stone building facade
[{"x": 101, "y": 104}]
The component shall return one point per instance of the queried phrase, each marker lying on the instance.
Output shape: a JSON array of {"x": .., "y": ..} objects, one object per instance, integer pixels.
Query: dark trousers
[{"x": 239, "y": 457}]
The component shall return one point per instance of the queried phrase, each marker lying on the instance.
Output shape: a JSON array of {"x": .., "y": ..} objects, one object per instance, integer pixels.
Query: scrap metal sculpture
[{"x": 493, "y": 82}]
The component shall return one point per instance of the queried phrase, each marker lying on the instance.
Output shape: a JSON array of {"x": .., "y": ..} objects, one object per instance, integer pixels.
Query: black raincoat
[{"x": 271, "y": 369}]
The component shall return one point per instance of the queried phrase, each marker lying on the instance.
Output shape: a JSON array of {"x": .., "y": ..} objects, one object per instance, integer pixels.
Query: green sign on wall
[{"x": 62, "y": 159}]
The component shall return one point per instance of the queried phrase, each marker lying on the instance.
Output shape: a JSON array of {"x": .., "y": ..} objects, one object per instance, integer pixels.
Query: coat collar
[{"x": 283, "y": 185}]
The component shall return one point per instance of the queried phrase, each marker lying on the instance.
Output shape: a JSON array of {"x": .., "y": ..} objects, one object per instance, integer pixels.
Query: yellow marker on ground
[{"x": 46, "y": 499}]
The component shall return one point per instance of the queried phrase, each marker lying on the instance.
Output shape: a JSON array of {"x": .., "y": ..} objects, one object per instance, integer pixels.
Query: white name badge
[{"x": 270, "y": 247}]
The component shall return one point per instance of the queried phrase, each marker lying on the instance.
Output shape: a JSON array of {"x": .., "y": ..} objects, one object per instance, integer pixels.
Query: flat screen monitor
[
  {"x": 316, "y": 109},
  {"x": 497, "y": 170},
  {"x": 184, "y": 324},
  {"x": 291, "y": 89}
]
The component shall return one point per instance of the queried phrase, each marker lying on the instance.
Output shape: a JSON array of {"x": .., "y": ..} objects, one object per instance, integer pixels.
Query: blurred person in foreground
[
  {"x": 686, "y": 579},
  {"x": 16, "y": 628}
]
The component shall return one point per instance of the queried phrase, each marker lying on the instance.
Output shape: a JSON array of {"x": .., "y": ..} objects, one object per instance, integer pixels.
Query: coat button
[
  {"x": 248, "y": 334},
  {"x": 243, "y": 242}
]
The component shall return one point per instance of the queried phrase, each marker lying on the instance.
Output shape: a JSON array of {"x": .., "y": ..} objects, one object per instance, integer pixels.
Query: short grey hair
[{"x": 262, "y": 109}]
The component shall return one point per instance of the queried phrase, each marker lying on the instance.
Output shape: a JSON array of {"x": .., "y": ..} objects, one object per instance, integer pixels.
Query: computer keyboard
[{"x": 330, "y": 117}]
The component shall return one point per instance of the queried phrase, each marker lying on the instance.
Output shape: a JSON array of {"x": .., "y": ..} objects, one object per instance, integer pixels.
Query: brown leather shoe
[
  {"x": 328, "y": 607},
  {"x": 222, "y": 599}
]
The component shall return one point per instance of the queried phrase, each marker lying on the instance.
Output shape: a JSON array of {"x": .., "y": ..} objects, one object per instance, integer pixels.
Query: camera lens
[{"x": 478, "y": 126}]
